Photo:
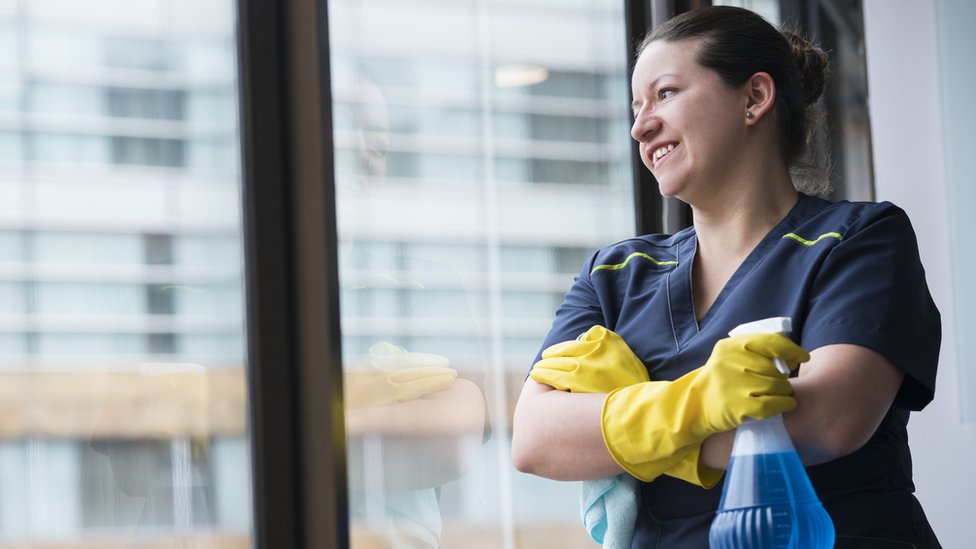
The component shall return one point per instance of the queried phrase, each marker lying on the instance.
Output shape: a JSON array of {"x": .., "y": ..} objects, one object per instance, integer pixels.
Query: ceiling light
[{"x": 510, "y": 76}]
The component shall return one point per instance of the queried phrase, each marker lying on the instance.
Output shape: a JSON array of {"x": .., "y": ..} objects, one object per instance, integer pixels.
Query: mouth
[{"x": 662, "y": 151}]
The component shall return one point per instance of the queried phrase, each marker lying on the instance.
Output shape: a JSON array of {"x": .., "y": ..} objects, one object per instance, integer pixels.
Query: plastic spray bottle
[{"x": 768, "y": 501}]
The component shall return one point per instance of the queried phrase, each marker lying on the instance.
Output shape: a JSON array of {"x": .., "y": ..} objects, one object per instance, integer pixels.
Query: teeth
[{"x": 662, "y": 151}]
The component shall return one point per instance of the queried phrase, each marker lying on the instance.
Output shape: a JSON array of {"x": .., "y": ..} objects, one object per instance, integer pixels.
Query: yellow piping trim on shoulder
[
  {"x": 806, "y": 242},
  {"x": 619, "y": 266}
]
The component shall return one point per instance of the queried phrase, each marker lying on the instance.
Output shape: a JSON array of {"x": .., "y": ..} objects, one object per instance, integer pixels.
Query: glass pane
[
  {"x": 122, "y": 349},
  {"x": 482, "y": 155},
  {"x": 956, "y": 73},
  {"x": 840, "y": 152}
]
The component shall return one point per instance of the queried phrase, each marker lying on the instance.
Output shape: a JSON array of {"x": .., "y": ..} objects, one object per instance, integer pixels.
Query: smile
[{"x": 662, "y": 151}]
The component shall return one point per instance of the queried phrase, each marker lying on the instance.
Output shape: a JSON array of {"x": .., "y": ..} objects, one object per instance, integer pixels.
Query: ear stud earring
[{"x": 749, "y": 115}]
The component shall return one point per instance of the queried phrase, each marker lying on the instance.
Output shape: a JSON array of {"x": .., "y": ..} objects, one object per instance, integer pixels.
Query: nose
[{"x": 645, "y": 125}]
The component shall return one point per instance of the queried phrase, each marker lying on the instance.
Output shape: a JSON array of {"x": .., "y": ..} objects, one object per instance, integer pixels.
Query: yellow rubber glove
[
  {"x": 650, "y": 427},
  {"x": 598, "y": 362},
  {"x": 690, "y": 469},
  {"x": 387, "y": 356},
  {"x": 396, "y": 375}
]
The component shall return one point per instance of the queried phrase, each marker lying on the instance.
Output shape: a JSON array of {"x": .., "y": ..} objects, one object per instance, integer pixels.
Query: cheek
[
  {"x": 715, "y": 112},
  {"x": 719, "y": 128},
  {"x": 642, "y": 149}
]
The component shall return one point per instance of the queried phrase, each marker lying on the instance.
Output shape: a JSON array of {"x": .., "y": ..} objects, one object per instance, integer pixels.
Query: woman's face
[{"x": 689, "y": 123}]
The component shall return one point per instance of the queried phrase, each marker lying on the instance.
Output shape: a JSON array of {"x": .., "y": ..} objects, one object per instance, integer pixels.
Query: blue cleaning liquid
[{"x": 769, "y": 503}]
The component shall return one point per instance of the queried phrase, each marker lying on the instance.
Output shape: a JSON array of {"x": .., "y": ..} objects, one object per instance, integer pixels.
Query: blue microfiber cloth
[{"x": 608, "y": 507}]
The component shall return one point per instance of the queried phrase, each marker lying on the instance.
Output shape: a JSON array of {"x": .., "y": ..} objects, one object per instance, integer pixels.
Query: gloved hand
[
  {"x": 649, "y": 427},
  {"x": 396, "y": 375},
  {"x": 598, "y": 362}
]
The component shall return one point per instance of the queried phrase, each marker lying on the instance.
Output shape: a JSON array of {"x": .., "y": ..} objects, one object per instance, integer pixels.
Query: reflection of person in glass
[
  {"x": 156, "y": 443},
  {"x": 721, "y": 104},
  {"x": 414, "y": 422}
]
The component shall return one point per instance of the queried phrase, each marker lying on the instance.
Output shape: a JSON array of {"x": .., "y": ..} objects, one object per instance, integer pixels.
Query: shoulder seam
[
  {"x": 619, "y": 266},
  {"x": 806, "y": 242}
]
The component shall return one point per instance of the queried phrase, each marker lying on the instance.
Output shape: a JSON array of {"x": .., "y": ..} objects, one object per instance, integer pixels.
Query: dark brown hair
[{"x": 737, "y": 43}]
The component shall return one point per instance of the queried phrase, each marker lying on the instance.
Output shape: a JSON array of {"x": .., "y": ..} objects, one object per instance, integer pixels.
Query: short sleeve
[
  {"x": 579, "y": 311},
  {"x": 871, "y": 291}
]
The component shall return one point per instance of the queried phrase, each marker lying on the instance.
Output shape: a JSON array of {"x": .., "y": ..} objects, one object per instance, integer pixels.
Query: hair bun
[{"x": 812, "y": 62}]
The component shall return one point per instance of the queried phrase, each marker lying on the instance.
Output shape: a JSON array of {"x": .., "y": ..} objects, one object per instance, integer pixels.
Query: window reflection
[
  {"x": 468, "y": 197},
  {"x": 122, "y": 393}
]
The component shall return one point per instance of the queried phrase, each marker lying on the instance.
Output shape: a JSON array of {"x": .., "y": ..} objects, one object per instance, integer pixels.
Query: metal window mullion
[
  {"x": 654, "y": 213},
  {"x": 648, "y": 202},
  {"x": 294, "y": 367},
  {"x": 323, "y": 435}
]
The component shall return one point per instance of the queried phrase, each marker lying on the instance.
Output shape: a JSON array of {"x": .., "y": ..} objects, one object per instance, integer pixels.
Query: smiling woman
[
  {"x": 722, "y": 106},
  {"x": 687, "y": 120}
]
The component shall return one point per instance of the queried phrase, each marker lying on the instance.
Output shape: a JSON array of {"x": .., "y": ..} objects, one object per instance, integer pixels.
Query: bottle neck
[{"x": 766, "y": 436}]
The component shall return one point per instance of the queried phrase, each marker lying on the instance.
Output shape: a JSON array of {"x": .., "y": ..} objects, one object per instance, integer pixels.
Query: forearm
[
  {"x": 557, "y": 435},
  {"x": 801, "y": 424},
  {"x": 841, "y": 395},
  {"x": 420, "y": 443},
  {"x": 458, "y": 410},
  {"x": 716, "y": 449}
]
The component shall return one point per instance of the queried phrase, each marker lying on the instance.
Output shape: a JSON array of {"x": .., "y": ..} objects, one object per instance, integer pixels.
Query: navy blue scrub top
[{"x": 844, "y": 272}]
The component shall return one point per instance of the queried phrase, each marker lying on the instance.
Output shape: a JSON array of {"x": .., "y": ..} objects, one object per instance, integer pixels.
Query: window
[
  {"x": 955, "y": 40},
  {"x": 842, "y": 143},
  {"x": 474, "y": 178},
  {"x": 121, "y": 295},
  {"x": 143, "y": 103}
]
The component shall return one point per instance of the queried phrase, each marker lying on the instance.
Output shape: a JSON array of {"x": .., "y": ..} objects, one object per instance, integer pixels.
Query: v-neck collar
[{"x": 680, "y": 287}]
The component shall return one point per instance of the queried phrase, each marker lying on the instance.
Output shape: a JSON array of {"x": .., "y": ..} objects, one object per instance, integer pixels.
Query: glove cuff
[
  {"x": 690, "y": 469},
  {"x": 643, "y": 447}
]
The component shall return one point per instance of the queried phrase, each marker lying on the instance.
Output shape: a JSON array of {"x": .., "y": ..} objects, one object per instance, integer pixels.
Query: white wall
[{"x": 906, "y": 103}]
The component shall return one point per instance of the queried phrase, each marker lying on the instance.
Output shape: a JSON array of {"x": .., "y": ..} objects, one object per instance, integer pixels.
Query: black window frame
[{"x": 294, "y": 368}]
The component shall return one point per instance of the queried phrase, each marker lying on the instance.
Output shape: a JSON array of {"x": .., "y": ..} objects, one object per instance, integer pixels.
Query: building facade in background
[{"x": 121, "y": 308}]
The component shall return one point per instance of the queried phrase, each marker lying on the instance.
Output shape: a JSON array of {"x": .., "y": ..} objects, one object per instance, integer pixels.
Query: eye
[{"x": 665, "y": 93}]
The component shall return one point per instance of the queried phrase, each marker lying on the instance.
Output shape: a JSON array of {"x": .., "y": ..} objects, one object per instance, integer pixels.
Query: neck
[{"x": 734, "y": 221}]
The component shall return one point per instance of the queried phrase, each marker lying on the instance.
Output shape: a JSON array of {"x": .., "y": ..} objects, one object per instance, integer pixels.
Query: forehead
[{"x": 661, "y": 57}]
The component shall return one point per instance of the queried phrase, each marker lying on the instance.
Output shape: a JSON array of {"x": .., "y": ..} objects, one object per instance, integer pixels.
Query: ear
[{"x": 760, "y": 92}]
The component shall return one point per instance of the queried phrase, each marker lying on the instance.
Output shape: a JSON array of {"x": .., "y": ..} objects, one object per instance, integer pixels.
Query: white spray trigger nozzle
[{"x": 773, "y": 325}]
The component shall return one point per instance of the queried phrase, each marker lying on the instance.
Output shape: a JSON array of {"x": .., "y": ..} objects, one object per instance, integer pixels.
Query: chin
[{"x": 668, "y": 189}]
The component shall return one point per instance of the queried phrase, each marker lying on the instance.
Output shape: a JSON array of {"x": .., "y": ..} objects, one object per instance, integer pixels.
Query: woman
[{"x": 721, "y": 112}]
